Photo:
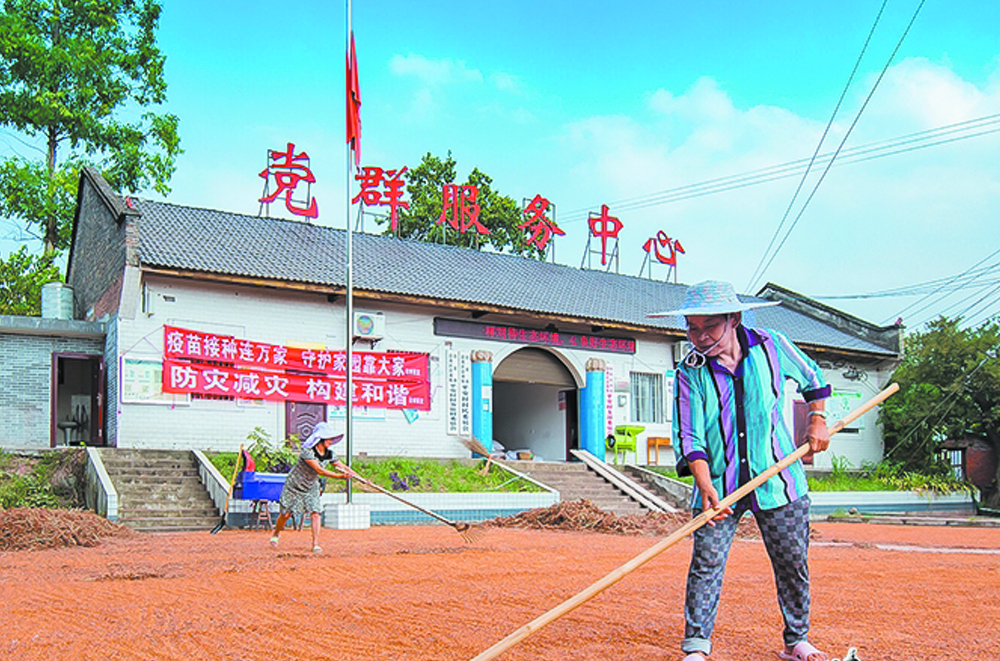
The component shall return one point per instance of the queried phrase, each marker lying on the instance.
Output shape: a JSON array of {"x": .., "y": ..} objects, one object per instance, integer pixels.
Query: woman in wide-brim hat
[
  {"x": 712, "y": 311},
  {"x": 301, "y": 494}
]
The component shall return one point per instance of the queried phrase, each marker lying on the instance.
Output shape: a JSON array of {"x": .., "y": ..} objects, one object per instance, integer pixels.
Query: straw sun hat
[{"x": 709, "y": 298}]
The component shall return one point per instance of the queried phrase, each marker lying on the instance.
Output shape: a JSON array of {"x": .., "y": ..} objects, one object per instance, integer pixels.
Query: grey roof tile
[{"x": 221, "y": 242}]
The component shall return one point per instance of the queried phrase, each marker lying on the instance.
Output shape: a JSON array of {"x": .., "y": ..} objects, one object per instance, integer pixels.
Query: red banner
[
  {"x": 202, "y": 347},
  {"x": 248, "y": 383}
]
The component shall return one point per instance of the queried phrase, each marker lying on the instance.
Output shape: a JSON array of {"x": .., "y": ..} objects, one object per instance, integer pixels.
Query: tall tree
[
  {"x": 500, "y": 214},
  {"x": 81, "y": 75},
  {"x": 949, "y": 389},
  {"x": 21, "y": 278}
]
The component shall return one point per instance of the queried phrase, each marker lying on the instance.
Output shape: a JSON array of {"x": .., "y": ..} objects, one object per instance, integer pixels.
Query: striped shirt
[{"x": 735, "y": 421}]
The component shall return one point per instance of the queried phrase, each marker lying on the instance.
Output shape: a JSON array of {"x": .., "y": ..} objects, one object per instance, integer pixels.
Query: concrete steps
[
  {"x": 160, "y": 490},
  {"x": 575, "y": 481}
]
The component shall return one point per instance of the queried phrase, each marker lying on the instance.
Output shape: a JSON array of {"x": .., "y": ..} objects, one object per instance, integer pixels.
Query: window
[{"x": 647, "y": 397}]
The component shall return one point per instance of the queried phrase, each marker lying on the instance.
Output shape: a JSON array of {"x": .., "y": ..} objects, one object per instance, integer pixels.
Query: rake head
[
  {"x": 470, "y": 534},
  {"x": 474, "y": 445}
]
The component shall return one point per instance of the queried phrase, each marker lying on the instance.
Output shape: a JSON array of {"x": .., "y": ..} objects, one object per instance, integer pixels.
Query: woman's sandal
[{"x": 803, "y": 651}]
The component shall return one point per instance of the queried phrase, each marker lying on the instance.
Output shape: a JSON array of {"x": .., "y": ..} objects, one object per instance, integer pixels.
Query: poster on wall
[
  {"x": 609, "y": 399},
  {"x": 142, "y": 382},
  {"x": 452, "y": 374},
  {"x": 224, "y": 366},
  {"x": 841, "y": 403}
]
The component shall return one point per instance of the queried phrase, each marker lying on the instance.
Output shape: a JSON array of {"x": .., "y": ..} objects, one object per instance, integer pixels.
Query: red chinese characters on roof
[
  {"x": 289, "y": 170},
  {"x": 538, "y": 223},
  {"x": 372, "y": 178},
  {"x": 672, "y": 246},
  {"x": 605, "y": 227},
  {"x": 459, "y": 208}
]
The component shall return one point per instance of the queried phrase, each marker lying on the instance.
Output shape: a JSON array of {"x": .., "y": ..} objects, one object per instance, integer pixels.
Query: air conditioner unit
[
  {"x": 681, "y": 349},
  {"x": 368, "y": 326}
]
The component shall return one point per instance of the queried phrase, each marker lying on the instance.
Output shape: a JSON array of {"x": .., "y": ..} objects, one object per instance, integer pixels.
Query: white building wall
[{"x": 297, "y": 318}]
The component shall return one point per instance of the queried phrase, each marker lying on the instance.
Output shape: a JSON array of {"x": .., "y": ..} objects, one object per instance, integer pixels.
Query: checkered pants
[{"x": 786, "y": 536}]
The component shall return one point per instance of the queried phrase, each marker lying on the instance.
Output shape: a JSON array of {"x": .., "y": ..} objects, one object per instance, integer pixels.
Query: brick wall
[
  {"x": 26, "y": 385},
  {"x": 98, "y": 256}
]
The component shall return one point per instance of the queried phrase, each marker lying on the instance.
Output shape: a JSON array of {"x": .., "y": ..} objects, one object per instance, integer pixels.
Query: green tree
[
  {"x": 21, "y": 278},
  {"x": 949, "y": 389},
  {"x": 69, "y": 71},
  {"x": 500, "y": 214}
]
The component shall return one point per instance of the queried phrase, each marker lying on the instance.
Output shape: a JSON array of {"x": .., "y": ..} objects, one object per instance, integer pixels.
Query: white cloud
[
  {"x": 509, "y": 83},
  {"x": 888, "y": 222},
  {"x": 433, "y": 72}
]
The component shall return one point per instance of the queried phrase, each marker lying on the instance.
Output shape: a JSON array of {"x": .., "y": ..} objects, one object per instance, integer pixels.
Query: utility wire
[
  {"x": 844, "y": 140},
  {"x": 964, "y": 273},
  {"x": 819, "y": 145},
  {"x": 941, "y": 299},
  {"x": 956, "y": 387},
  {"x": 860, "y": 154}
]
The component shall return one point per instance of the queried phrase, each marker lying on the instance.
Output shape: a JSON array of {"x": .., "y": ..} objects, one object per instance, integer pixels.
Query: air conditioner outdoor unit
[
  {"x": 681, "y": 349},
  {"x": 369, "y": 326}
]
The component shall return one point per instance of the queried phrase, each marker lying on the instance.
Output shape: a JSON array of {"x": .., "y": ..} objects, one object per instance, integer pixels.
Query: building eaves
[{"x": 218, "y": 242}]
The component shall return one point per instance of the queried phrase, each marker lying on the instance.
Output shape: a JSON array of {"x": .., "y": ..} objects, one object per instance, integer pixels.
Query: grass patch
[
  {"x": 886, "y": 476},
  {"x": 432, "y": 475},
  {"x": 51, "y": 480},
  {"x": 669, "y": 471}
]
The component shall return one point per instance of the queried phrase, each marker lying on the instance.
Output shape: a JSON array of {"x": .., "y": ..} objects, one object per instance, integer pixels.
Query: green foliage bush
[{"x": 27, "y": 482}]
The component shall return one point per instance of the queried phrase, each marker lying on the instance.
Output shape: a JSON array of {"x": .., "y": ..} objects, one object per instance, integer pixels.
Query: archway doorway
[{"x": 535, "y": 405}]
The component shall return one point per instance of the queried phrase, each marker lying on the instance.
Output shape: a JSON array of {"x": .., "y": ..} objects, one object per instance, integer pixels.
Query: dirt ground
[{"x": 417, "y": 593}]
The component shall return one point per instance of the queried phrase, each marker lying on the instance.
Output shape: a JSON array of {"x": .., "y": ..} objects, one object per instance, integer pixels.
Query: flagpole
[{"x": 349, "y": 282}]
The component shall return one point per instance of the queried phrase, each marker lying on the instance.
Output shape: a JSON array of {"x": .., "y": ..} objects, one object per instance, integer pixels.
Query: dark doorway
[
  {"x": 302, "y": 417},
  {"x": 77, "y": 399},
  {"x": 572, "y": 420}
]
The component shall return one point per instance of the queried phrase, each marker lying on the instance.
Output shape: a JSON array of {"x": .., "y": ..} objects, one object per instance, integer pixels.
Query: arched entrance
[{"x": 535, "y": 404}]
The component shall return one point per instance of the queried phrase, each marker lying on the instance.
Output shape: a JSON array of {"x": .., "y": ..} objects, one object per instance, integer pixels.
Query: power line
[
  {"x": 918, "y": 288},
  {"x": 965, "y": 283},
  {"x": 819, "y": 145},
  {"x": 844, "y": 140},
  {"x": 860, "y": 154}
]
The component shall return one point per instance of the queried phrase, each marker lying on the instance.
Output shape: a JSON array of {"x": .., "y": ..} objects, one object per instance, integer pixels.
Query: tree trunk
[{"x": 51, "y": 223}]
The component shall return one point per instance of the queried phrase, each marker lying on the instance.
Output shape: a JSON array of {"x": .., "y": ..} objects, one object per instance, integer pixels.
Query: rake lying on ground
[{"x": 470, "y": 533}]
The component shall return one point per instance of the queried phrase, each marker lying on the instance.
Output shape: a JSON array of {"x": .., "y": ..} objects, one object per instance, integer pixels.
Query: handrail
[
  {"x": 100, "y": 493},
  {"x": 631, "y": 489}
]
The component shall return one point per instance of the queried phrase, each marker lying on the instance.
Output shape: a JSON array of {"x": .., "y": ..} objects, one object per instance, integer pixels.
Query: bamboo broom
[{"x": 589, "y": 593}]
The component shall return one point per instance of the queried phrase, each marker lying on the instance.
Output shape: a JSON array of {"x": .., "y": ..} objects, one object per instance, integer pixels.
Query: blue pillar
[
  {"x": 592, "y": 410},
  {"x": 482, "y": 398}
]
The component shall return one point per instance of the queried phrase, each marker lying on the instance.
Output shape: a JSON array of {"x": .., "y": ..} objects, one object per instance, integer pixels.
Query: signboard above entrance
[{"x": 536, "y": 336}]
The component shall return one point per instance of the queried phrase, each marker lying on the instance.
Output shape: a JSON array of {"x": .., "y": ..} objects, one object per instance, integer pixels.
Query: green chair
[{"x": 623, "y": 441}]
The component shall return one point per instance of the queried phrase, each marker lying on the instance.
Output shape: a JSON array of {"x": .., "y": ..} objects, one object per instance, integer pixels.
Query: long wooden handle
[
  {"x": 402, "y": 500},
  {"x": 676, "y": 536},
  {"x": 232, "y": 481}
]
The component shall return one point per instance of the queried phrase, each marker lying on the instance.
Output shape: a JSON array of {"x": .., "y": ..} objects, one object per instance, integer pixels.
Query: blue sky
[{"x": 592, "y": 103}]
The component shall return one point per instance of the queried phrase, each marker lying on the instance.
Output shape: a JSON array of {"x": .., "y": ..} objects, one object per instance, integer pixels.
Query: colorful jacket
[{"x": 736, "y": 422}]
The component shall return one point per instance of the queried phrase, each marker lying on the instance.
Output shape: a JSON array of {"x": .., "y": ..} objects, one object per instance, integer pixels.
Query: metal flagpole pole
[{"x": 349, "y": 281}]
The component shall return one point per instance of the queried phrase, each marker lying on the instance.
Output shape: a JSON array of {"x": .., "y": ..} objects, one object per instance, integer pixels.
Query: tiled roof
[{"x": 221, "y": 242}]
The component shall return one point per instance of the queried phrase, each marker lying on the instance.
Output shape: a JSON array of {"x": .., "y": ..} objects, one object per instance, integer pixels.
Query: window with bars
[{"x": 647, "y": 397}]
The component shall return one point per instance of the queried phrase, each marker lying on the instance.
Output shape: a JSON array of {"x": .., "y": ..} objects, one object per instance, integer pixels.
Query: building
[{"x": 540, "y": 357}]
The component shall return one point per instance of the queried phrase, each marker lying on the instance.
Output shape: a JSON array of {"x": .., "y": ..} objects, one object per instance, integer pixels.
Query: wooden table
[{"x": 656, "y": 442}]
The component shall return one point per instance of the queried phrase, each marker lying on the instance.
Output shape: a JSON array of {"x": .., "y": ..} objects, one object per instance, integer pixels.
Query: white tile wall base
[
  {"x": 827, "y": 502},
  {"x": 454, "y": 506},
  {"x": 347, "y": 516}
]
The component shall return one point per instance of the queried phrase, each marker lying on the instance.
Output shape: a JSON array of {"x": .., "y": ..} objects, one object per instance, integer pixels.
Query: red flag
[{"x": 353, "y": 105}]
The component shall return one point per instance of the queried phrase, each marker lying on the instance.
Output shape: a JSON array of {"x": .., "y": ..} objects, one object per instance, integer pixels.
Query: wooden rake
[
  {"x": 470, "y": 533},
  {"x": 589, "y": 593}
]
